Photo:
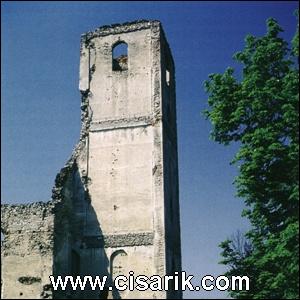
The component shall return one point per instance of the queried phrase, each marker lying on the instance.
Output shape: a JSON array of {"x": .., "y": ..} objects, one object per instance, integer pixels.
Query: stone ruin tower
[{"x": 115, "y": 205}]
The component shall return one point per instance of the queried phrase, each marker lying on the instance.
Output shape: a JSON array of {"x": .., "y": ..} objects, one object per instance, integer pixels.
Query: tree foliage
[{"x": 261, "y": 112}]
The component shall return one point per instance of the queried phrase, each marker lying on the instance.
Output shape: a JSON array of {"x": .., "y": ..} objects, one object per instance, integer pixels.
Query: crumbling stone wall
[
  {"x": 27, "y": 250},
  {"x": 38, "y": 237}
]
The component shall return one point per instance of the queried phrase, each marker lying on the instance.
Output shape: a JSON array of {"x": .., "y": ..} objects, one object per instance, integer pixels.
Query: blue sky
[{"x": 40, "y": 120}]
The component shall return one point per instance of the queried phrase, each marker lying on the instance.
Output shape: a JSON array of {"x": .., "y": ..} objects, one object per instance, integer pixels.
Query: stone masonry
[{"x": 115, "y": 205}]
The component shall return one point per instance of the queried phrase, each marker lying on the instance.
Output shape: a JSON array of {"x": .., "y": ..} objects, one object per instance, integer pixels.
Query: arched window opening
[
  {"x": 119, "y": 265},
  {"x": 120, "y": 57}
]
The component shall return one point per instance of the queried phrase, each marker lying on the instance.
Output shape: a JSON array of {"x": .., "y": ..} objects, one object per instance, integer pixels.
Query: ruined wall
[
  {"x": 114, "y": 206},
  {"x": 39, "y": 237},
  {"x": 27, "y": 250}
]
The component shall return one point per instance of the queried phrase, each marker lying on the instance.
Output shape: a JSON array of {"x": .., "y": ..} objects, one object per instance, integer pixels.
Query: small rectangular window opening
[{"x": 168, "y": 77}]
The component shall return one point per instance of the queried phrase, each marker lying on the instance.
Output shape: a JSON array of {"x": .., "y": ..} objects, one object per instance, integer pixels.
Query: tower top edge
[{"x": 120, "y": 28}]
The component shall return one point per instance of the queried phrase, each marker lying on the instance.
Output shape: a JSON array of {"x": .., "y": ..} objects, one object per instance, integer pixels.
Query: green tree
[{"x": 260, "y": 111}]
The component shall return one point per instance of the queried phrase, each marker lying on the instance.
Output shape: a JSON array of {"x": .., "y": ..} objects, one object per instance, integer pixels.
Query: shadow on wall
[{"x": 78, "y": 240}]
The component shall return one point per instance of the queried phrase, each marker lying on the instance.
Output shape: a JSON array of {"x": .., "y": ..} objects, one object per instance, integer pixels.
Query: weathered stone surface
[
  {"x": 118, "y": 240},
  {"x": 28, "y": 229},
  {"x": 114, "y": 205}
]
